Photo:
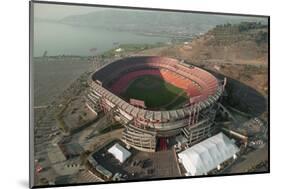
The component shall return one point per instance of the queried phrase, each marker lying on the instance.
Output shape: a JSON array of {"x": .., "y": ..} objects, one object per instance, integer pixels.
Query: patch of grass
[
  {"x": 127, "y": 48},
  {"x": 137, "y": 47},
  {"x": 180, "y": 100},
  {"x": 155, "y": 92}
]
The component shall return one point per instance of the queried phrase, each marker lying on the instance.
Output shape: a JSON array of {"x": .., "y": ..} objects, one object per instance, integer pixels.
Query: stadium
[{"x": 156, "y": 99}]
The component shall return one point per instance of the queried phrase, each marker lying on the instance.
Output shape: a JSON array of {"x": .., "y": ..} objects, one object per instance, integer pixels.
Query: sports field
[{"x": 155, "y": 92}]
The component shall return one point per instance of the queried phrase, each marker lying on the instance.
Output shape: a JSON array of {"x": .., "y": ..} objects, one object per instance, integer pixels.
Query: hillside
[
  {"x": 245, "y": 43},
  {"x": 153, "y": 22},
  {"x": 242, "y": 43}
]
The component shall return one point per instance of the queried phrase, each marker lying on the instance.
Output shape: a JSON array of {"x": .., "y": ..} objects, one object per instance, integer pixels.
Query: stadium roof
[
  {"x": 119, "y": 152},
  {"x": 207, "y": 155}
]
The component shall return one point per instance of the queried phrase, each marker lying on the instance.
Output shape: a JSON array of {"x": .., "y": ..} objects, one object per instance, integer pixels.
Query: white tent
[
  {"x": 119, "y": 152},
  {"x": 207, "y": 155}
]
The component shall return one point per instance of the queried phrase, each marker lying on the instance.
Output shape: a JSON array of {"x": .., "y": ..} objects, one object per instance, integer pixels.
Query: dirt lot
[{"x": 249, "y": 161}]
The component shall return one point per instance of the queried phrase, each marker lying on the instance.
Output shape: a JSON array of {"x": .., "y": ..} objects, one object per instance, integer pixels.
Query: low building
[
  {"x": 118, "y": 50},
  {"x": 104, "y": 171},
  {"x": 207, "y": 155},
  {"x": 119, "y": 152}
]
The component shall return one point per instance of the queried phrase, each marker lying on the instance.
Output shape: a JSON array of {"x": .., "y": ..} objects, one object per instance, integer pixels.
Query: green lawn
[{"x": 155, "y": 92}]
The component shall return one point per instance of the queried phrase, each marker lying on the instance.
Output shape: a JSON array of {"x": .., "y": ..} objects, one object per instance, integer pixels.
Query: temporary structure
[
  {"x": 119, "y": 152},
  {"x": 208, "y": 154}
]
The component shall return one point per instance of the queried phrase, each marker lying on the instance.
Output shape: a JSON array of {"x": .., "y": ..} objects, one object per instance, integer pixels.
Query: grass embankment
[{"x": 129, "y": 48}]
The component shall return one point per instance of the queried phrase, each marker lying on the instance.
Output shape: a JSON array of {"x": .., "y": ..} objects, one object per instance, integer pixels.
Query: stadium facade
[{"x": 145, "y": 127}]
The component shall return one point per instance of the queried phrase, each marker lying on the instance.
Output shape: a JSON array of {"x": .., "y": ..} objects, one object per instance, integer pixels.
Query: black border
[{"x": 31, "y": 172}]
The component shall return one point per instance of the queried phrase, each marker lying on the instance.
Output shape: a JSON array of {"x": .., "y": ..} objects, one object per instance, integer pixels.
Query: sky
[{"x": 57, "y": 12}]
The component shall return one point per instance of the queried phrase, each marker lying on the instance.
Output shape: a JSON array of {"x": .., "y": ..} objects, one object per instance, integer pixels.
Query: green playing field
[{"x": 155, "y": 92}]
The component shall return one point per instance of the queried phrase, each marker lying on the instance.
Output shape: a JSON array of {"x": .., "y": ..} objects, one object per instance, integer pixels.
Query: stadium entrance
[{"x": 162, "y": 144}]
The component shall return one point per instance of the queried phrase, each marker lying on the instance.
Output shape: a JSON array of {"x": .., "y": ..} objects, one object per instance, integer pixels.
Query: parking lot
[{"x": 140, "y": 165}]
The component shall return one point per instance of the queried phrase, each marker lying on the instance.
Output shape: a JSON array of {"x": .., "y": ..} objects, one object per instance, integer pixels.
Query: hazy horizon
[
  {"x": 58, "y": 11},
  {"x": 78, "y": 29}
]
